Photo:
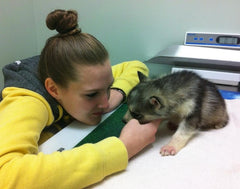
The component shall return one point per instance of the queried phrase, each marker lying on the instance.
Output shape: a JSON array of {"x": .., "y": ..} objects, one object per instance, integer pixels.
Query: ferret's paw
[
  {"x": 168, "y": 150},
  {"x": 220, "y": 125}
]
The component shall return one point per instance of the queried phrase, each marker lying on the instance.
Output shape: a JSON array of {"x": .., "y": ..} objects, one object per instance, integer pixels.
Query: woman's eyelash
[{"x": 91, "y": 95}]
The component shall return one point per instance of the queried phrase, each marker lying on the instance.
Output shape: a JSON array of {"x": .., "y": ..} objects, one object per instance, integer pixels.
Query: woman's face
[{"x": 86, "y": 99}]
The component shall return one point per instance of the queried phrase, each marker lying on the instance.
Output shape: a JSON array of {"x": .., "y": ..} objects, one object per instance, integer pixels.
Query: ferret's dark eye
[{"x": 136, "y": 115}]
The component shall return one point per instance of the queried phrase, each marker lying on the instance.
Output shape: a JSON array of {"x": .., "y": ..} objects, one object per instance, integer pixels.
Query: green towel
[{"x": 111, "y": 126}]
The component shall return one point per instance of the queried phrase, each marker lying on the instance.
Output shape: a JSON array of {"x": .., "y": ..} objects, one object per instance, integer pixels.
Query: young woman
[{"x": 71, "y": 77}]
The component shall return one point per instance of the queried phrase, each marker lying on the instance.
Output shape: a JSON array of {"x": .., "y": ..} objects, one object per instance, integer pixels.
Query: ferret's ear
[
  {"x": 141, "y": 76},
  {"x": 155, "y": 102}
]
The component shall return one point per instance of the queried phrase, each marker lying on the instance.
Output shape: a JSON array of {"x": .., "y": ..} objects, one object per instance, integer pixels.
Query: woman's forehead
[
  {"x": 95, "y": 76},
  {"x": 94, "y": 71}
]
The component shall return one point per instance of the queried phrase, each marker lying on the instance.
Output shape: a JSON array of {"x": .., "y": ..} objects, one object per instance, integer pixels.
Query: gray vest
[{"x": 23, "y": 74}]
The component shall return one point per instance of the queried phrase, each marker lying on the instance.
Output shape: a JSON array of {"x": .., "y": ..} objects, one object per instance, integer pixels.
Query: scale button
[
  {"x": 195, "y": 38},
  {"x": 210, "y": 39},
  {"x": 201, "y": 38}
]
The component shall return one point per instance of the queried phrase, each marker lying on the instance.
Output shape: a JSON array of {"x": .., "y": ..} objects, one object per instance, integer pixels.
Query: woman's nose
[{"x": 104, "y": 104}]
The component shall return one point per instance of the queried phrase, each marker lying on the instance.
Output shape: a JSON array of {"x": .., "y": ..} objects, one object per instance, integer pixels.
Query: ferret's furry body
[{"x": 184, "y": 99}]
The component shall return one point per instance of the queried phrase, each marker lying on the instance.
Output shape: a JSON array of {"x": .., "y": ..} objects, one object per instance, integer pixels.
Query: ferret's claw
[{"x": 168, "y": 150}]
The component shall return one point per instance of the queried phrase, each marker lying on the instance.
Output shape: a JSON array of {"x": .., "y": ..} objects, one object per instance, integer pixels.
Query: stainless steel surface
[{"x": 200, "y": 57}]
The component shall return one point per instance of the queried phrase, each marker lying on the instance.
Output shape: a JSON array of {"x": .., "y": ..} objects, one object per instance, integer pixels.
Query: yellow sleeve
[
  {"x": 125, "y": 74},
  {"x": 23, "y": 115}
]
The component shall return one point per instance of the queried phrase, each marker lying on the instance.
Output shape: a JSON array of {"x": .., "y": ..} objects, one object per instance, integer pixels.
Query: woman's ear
[{"x": 51, "y": 88}]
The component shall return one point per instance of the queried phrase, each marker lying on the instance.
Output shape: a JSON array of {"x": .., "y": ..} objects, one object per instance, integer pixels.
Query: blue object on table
[{"x": 229, "y": 94}]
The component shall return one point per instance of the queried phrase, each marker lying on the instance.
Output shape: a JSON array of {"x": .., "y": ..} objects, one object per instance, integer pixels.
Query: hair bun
[{"x": 63, "y": 21}]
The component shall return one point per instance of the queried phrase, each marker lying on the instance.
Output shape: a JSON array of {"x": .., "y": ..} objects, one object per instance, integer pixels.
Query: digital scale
[
  {"x": 214, "y": 56},
  {"x": 213, "y": 40}
]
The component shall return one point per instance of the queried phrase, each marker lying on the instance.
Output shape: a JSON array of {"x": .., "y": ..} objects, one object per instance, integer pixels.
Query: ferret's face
[
  {"x": 142, "y": 117},
  {"x": 144, "y": 105}
]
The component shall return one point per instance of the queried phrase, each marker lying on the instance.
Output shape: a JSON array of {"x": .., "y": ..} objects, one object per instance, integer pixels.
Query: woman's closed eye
[
  {"x": 96, "y": 93},
  {"x": 92, "y": 95}
]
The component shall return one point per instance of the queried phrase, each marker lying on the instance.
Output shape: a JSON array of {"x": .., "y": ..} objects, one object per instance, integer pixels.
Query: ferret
[{"x": 182, "y": 98}]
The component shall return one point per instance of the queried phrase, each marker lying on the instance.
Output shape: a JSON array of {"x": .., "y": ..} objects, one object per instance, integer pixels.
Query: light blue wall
[
  {"x": 130, "y": 29},
  {"x": 18, "y": 37},
  {"x": 138, "y": 29}
]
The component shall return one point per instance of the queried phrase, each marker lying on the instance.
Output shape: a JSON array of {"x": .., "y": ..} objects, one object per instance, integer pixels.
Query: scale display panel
[{"x": 213, "y": 40}]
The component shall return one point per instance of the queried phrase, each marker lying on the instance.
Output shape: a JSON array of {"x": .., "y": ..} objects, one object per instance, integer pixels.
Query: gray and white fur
[{"x": 182, "y": 98}]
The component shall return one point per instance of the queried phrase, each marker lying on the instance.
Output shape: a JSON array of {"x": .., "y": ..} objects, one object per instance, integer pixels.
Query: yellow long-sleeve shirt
[{"x": 23, "y": 116}]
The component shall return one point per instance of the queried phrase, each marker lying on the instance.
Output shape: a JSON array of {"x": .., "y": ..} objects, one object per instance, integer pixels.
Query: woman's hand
[
  {"x": 137, "y": 136},
  {"x": 115, "y": 100}
]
